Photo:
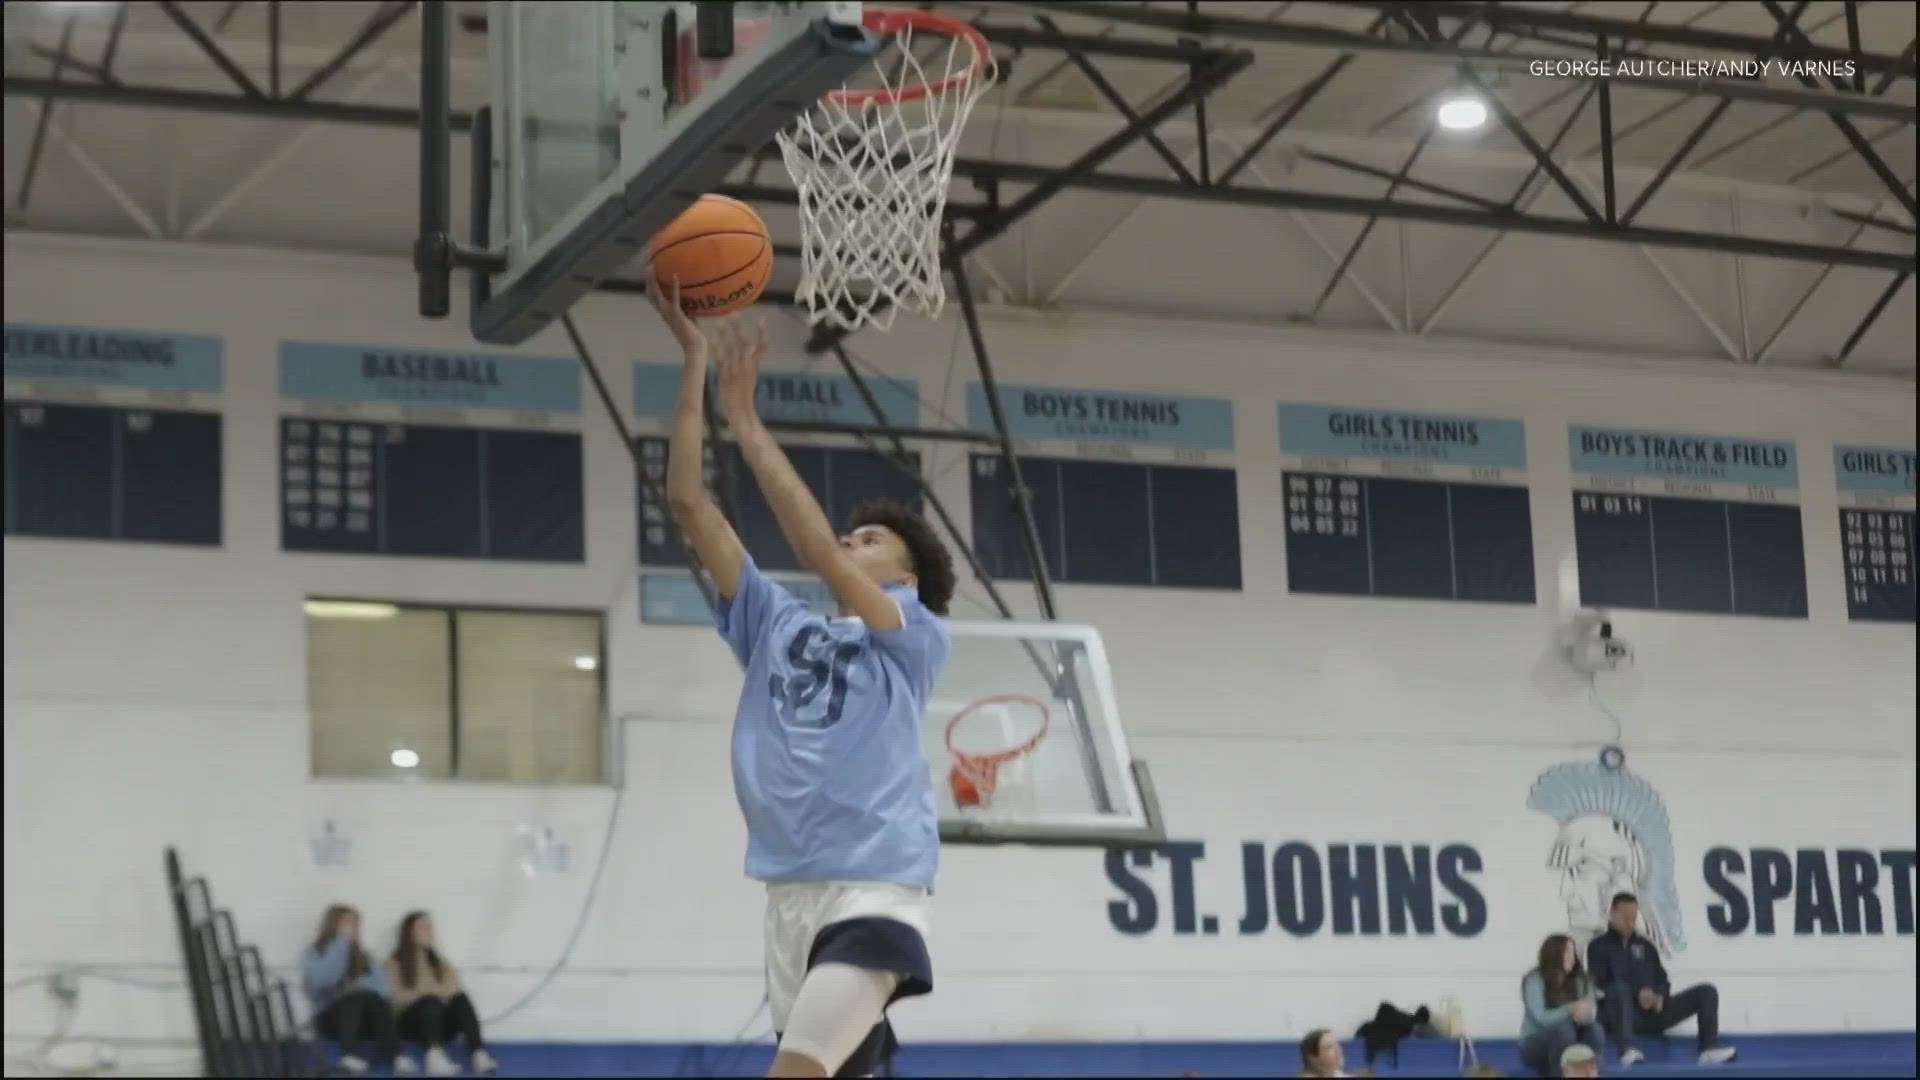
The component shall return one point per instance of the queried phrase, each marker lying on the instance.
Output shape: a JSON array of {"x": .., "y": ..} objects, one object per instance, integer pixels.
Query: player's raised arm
[
  {"x": 804, "y": 524},
  {"x": 714, "y": 541}
]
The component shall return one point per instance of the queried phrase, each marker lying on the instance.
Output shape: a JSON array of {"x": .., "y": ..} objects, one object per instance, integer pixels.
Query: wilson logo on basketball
[{"x": 719, "y": 302}]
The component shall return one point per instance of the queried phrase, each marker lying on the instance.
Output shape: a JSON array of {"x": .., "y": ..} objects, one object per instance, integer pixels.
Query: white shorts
[{"x": 798, "y": 911}]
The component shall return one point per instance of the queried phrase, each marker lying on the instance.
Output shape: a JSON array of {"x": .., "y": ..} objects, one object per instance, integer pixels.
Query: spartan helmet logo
[{"x": 1614, "y": 838}]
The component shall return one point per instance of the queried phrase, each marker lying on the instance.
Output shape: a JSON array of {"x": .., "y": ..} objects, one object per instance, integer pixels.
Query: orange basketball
[{"x": 720, "y": 253}]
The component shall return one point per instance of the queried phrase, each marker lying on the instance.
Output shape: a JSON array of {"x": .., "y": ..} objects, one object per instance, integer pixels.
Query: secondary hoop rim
[
  {"x": 889, "y": 21},
  {"x": 997, "y": 758}
]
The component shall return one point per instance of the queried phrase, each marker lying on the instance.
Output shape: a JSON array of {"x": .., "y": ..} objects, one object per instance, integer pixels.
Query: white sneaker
[
  {"x": 484, "y": 1062},
  {"x": 352, "y": 1065},
  {"x": 405, "y": 1066},
  {"x": 1631, "y": 1057},
  {"x": 439, "y": 1064},
  {"x": 1719, "y": 1055}
]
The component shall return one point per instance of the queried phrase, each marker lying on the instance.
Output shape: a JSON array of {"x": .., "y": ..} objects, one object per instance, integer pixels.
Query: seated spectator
[
  {"x": 1322, "y": 1055},
  {"x": 1560, "y": 1008},
  {"x": 1637, "y": 998},
  {"x": 349, "y": 994},
  {"x": 1579, "y": 1060},
  {"x": 434, "y": 1009}
]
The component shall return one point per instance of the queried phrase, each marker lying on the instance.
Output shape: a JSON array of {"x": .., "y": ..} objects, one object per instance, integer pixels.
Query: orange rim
[
  {"x": 984, "y": 763},
  {"x": 890, "y": 21}
]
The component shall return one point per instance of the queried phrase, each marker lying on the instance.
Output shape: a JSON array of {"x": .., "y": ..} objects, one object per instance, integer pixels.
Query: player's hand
[
  {"x": 1649, "y": 1000},
  {"x": 666, "y": 300},
  {"x": 736, "y": 360}
]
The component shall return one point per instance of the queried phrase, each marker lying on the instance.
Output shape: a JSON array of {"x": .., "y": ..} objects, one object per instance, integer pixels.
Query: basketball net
[{"x": 872, "y": 169}]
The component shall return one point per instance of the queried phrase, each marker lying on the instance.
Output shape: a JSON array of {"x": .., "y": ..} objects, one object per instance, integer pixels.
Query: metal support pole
[
  {"x": 1693, "y": 304},
  {"x": 1200, "y": 111},
  {"x": 1540, "y": 154},
  {"x": 1766, "y": 348},
  {"x": 1302, "y": 98},
  {"x": 111, "y": 187},
  {"x": 1359, "y": 283},
  {"x": 371, "y": 31},
  {"x": 61, "y": 62},
  {"x": 1789, "y": 22},
  {"x": 1608, "y": 193},
  {"x": 627, "y": 440},
  {"x": 899, "y": 455},
  {"x": 1553, "y": 147},
  {"x": 1886, "y": 80},
  {"x": 46, "y": 116},
  {"x": 113, "y": 43},
  {"x": 1872, "y": 316},
  {"x": 1360, "y": 240},
  {"x": 1059, "y": 674},
  {"x": 1859, "y": 142},
  {"x": 1022, "y": 496},
  {"x": 1120, "y": 103},
  {"x": 212, "y": 48},
  {"x": 1408, "y": 182},
  {"x": 1523, "y": 203},
  {"x": 1853, "y": 44},
  {"x": 1675, "y": 160},
  {"x": 1207, "y": 79},
  {"x": 1872, "y": 221},
  {"x": 1740, "y": 282},
  {"x": 432, "y": 247},
  {"x": 271, "y": 163}
]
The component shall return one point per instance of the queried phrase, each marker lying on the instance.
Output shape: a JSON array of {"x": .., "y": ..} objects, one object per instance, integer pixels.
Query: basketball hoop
[
  {"x": 872, "y": 168},
  {"x": 976, "y": 776}
]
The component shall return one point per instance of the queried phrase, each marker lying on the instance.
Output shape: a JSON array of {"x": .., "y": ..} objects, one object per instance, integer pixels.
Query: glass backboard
[
  {"x": 608, "y": 118},
  {"x": 1004, "y": 683}
]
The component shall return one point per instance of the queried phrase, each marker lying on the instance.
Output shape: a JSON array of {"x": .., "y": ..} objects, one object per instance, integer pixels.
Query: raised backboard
[
  {"x": 600, "y": 133},
  {"x": 1079, "y": 785}
]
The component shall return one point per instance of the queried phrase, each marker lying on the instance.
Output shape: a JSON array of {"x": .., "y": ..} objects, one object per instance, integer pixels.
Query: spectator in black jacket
[{"x": 1638, "y": 998}]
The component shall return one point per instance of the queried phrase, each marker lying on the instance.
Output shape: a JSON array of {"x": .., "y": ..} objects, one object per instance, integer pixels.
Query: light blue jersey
[{"x": 828, "y": 766}]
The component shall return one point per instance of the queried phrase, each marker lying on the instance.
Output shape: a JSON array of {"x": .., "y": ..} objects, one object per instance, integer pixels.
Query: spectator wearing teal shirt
[{"x": 1560, "y": 1007}]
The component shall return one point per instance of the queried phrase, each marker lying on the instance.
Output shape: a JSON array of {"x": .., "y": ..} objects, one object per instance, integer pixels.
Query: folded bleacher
[{"x": 243, "y": 1016}]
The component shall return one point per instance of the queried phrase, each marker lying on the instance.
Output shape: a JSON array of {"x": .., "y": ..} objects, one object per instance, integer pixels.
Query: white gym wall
[
  {"x": 158, "y": 696},
  {"x": 1268, "y": 718}
]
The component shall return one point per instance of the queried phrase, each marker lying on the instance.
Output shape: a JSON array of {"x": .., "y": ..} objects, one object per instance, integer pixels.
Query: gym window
[{"x": 401, "y": 691}]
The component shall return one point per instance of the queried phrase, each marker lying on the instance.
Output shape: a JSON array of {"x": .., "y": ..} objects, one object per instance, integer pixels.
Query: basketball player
[{"x": 828, "y": 766}]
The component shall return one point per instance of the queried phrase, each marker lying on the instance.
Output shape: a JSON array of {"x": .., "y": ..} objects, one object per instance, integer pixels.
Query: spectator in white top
[{"x": 434, "y": 1007}]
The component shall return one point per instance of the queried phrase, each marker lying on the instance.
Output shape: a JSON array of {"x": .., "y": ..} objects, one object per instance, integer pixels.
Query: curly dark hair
[{"x": 927, "y": 557}]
